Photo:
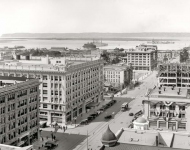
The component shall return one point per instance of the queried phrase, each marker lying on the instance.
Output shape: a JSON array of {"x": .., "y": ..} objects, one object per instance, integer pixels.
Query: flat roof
[
  {"x": 13, "y": 78},
  {"x": 146, "y": 140},
  {"x": 168, "y": 94},
  {"x": 116, "y": 67}
]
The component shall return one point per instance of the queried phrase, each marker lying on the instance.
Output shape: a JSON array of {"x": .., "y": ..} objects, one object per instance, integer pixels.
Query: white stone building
[{"x": 68, "y": 84}]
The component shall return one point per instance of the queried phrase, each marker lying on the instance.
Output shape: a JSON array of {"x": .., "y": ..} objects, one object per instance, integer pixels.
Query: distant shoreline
[{"x": 91, "y": 39}]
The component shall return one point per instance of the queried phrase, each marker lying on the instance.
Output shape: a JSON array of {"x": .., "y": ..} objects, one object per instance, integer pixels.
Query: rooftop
[
  {"x": 168, "y": 94},
  {"x": 117, "y": 67},
  {"x": 13, "y": 78},
  {"x": 55, "y": 64},
  {"x": 151, "y": 140}
]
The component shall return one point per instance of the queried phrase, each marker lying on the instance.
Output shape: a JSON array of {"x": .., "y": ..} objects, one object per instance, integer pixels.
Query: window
[
  {"x": 56, "y": 92},
  {"x": 18, "y": 75},
  {"x": 44, "y": 105},
  {"x": 56, "y": 85},
  {"x": 51, "y": 77},
  {"x": 56, "y": 78},
  {"x": 44, "y": 84},
  {"x": 44, "y": 91},
  {"x": 44, "y": 77},
  {"x": 44, "y": 98}
]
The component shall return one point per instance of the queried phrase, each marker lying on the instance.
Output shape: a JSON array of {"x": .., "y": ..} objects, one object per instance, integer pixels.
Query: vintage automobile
[
  {"x": 84, "y": 122},
  {"x": 50, "y": 144},
  {"x": 108, "y": 117}
]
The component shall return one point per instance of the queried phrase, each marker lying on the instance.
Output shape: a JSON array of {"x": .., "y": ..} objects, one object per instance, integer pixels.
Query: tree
[
  {"x": 105, "y": 56},
  {"x": 184, "y": 55}
]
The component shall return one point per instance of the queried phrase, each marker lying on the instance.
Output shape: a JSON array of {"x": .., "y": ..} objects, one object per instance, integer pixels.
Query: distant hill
[{"x": 94, "y": 35}]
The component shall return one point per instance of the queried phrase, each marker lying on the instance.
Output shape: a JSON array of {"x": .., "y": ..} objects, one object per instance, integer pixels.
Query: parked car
[
  {"x": 101, "y": 110},
  {"x": 110, "y": 103},
  {"x": 131, "y": 114},
  {"x": 50, "y": 144},
  {"x": 108, "y": 117},
  {"x": 139, "y": 113},
  {"x": 84, "y": 122},
  {"x": 114, "y": 101},
  {"x": 104, "y": 107},
  {"x": 90, "y": 118},
  {"x": 94, "y": 115},
  {"x": 107, "y": 106}
]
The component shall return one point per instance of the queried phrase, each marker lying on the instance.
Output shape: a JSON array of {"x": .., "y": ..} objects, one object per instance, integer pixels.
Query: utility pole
[{"x": 87, "y": 140}]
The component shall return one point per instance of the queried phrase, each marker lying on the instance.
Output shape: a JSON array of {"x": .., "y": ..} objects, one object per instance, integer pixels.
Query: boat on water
[
  {"x": 160, "y": 42},
  {"x": 99, "y": 43}
]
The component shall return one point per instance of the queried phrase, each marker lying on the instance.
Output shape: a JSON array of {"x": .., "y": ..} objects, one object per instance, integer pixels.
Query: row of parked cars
[{"x": 98, "y": 112}]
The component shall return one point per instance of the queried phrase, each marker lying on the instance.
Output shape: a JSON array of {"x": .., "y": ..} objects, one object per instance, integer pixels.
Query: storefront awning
[
  {"x": 42, "y": 122},
  {"x": 20, "y": 143},
  {"x": 92, "y": 104},
  {"x": 23, "y": 135}
]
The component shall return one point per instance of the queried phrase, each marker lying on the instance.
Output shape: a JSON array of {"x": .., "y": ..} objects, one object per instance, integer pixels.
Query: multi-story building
[
  {"x": 164, "y": 54},
  {"x": 119, "y": 75},
  {"x": 19, "y": 105},
  {"x": 174, "y": 74},
  {"x": 144, "y": 57},
  {"x": 168, "y": 108},
  {"x": 68, "y": 86}
]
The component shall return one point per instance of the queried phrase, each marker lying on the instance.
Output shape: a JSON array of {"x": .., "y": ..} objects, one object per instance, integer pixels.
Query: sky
[{"x": 76, "y": 16}]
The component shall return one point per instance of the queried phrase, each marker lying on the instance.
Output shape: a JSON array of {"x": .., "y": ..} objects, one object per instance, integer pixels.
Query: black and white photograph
[{"x": 94, "y": 75}]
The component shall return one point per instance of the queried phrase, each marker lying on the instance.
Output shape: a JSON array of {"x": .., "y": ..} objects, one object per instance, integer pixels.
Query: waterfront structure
[
  {"x": 19, "y": 99},
  {"x": 168, "y": 108},
  {"x": 118, "y": 75},
  {"x": 174, "y": 74},
  {"x": 144, "y": 57},
  {"x": 68, "y": 86}
]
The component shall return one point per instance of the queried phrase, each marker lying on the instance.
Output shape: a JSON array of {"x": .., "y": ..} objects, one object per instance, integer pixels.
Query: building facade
[
  {"x": 19, "y": 113},
  {"x": 144, "y": 57},
  {"x": 164, "y": 55},
  {"x": 168, "y": 108},
  {"x": 68, "y": 86},
  {"x": 174, "y": 74},
  {"x": 119, "y": 76}
]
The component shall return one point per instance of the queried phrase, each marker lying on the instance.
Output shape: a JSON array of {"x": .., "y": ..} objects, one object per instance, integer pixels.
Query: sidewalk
[{"x": 79, "y": 118}]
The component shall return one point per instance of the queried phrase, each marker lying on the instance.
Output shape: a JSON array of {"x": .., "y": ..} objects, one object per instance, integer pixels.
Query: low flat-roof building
[
  {"x": 19, "y": 105},
  {"x": 119, "y": 75},
  {"x": 168, "y": 108},
  {"x": 129, "y": 139}
]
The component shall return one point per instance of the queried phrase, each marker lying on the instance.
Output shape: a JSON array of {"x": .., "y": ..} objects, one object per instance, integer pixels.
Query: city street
[{"x": 76, "y": 138}]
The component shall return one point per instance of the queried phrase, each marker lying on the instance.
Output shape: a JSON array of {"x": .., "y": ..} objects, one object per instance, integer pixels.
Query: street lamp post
[{"x": 75, "y": 118}]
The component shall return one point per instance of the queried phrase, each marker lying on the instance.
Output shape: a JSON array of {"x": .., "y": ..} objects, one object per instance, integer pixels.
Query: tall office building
[
  {"x": 19, "y": 105},
  {"x": 68, "y": 86},
  {"x": 144, "y": 57}
]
